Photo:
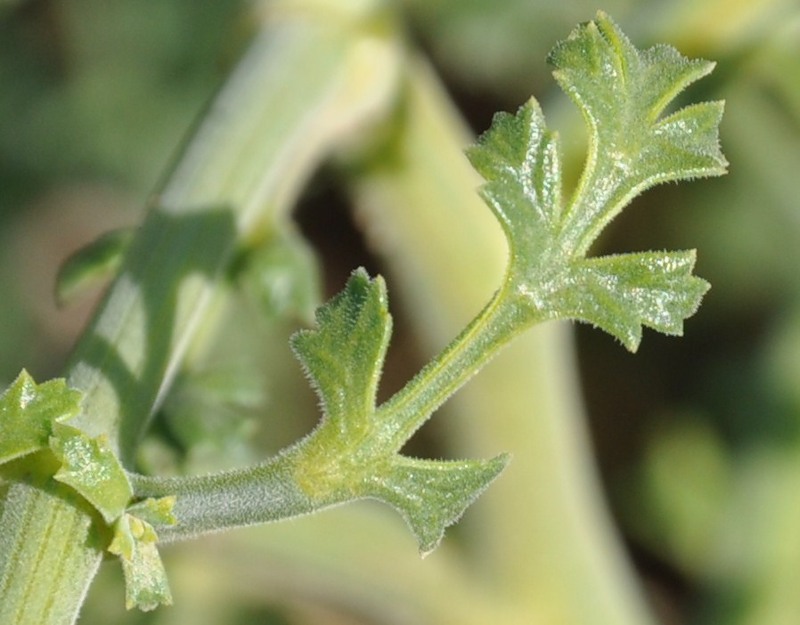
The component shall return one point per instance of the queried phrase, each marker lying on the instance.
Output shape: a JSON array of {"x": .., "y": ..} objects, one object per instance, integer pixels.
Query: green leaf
[
  {"x": 146, "y": 584},
  {"x": 622, "y": 293},
  {"x": 90, "y": 467},
  {"x": 431, "y": 494},
  {"x": 353, "y": 452},
  {"x": 27, "y": 411},
  {"x": 92, "y": 264},
  {"x": 622, "y": 93},
  {"x": 519, "y": 159},
  {"x": 343, "y": 356},
  {"x": 210, "y": 414}
]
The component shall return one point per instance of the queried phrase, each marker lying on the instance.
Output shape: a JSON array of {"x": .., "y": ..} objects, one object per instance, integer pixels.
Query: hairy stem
[
  {"x": 480, "y": 341},
  {"x": 235, "y": 498}
]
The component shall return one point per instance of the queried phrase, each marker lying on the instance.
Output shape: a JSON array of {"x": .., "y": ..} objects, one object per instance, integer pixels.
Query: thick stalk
[
  {"x": 34, "y": 580},
  {"x": 541, "y": 535},
  {"x": 316, "y": 72}
]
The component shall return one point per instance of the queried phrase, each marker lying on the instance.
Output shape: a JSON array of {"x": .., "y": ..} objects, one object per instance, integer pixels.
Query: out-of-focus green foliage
[
  {"x": 105, "y": 88},
  {"x": 94, "y": 99}
]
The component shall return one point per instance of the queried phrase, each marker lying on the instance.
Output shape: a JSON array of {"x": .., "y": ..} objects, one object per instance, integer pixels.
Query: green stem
[
  {"x": 236, "y": 498},
  {"x": 481, "y": 340},
  {"x": 318, "y": 71},
  {"x": 47, "y": 549}
]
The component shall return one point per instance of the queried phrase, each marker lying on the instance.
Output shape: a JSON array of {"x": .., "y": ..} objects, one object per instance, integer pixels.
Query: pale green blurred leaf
[
  {"x": 283, "y": 277},
  {"x": 91, "y": 265}
]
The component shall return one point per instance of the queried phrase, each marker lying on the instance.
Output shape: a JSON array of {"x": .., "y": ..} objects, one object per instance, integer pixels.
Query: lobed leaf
[
  {"x": 518, "y": 157},
  {"x": 27, "y": 412},
  {"x": 622, "y": 92},
  {"x": 344, "y": 355},
  {"x": 431, "y": 495},
  {"x": 353, "y": 454},
  {"x": 622, "y": 293},
  {"x": 31, "y": 418}
]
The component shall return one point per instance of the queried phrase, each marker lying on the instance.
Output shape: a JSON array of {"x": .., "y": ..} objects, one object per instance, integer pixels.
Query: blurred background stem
[{"x": 315, "y": 72}]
